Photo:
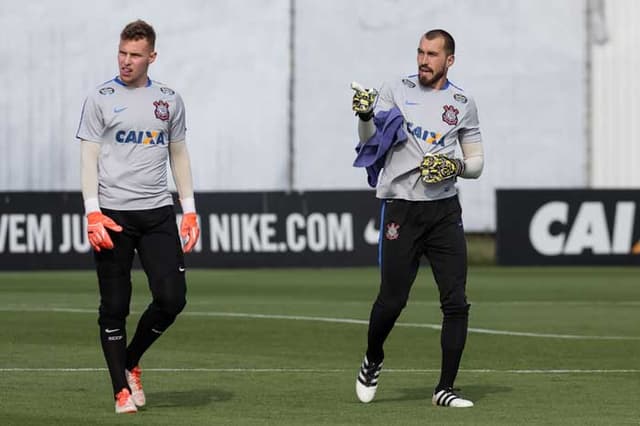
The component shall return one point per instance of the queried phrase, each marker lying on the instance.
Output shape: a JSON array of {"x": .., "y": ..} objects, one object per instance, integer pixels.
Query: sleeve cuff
[
  {"x": 91, "y": 205},
  {"x": 188, "y": 205}
]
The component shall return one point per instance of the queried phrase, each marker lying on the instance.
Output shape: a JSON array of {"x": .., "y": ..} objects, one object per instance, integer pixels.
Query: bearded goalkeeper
[{"x": 409, "y": 132}]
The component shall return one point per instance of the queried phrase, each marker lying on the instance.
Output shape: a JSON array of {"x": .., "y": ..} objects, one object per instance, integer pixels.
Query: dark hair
[
  {"x": 449, "y": 42},
  {"x": 138, "y": 30}
]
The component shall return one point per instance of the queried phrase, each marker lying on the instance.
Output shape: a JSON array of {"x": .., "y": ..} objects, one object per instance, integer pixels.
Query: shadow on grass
[
  {"x": 190, "y": 398},
  {"x": 473, "y": 392}
]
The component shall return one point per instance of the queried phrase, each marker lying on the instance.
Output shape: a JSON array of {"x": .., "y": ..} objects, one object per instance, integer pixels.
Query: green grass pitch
[{"x": 547, "y": 346}]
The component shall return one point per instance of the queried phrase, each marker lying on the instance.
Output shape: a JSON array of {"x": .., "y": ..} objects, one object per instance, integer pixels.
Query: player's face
[
  {"x": 433, "y": 62},
  {"x": 134, "y": 58}
]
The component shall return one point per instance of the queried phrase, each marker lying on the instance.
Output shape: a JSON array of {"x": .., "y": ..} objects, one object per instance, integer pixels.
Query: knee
[
  {"x": 175, "y": 305},
  {"x": 113, "y": 312},
  {"x": 172, "y": 300},
  {"x": 456, "y": 310},
  {"x": 393, "y": 305}
]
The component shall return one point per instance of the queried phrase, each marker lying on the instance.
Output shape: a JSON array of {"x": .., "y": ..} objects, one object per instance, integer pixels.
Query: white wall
[
  {"x": 615, "y": 112},
  {"x": 523, "y": 60}
]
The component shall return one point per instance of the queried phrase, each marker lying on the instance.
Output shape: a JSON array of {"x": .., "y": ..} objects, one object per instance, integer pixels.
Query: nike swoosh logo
[
  {"x": 371, "y": 234},
  {"x": 411, "y": 103},
  {"x": 109, "y": 330},
  {"x": 156, "y": 331},
  {"x": 117, "y": 110},
  {"x": 181, "y": 268}
]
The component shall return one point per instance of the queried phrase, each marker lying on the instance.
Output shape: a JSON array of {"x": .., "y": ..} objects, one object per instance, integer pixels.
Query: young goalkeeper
[{"x": 129, "y": 128}]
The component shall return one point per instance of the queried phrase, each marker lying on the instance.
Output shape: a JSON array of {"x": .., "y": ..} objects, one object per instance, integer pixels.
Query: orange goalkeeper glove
[
  {"x": 97, "y": 225},
  {"x": 189, "y": 230}
]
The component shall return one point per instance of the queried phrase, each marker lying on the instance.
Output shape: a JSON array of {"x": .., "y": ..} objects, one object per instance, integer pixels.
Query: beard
[{"x": 428, "y": 82}]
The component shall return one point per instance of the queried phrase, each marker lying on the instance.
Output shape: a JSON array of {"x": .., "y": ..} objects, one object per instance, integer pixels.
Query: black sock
[
  {"x": 381, "y": 321},
  {"x": 452, "y": 341},
  {"x": 151, "y": 326},
  {"x": 114, "y": 347}
]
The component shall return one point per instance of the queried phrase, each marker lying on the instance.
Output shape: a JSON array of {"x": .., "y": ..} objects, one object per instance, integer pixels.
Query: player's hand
[
  {"x": 189, "y": 230},
  {"x": 97, "y": 225},
  {"x": 436, "y": 168},
  {"x": 363, "y": 101}
]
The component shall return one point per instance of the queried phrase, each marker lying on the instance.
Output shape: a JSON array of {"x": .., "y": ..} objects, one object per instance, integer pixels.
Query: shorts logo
[
  {"x": 392, "y": 232},
  {"x": 450, "y": 115},
  {"x": 162, "y": 110}
]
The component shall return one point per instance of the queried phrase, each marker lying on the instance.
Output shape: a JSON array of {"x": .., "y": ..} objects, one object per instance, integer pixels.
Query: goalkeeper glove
[
  {"x": 189, "y": 230},
  {"x": 436, "y": 168},
  {"x": 97, "y": 225},
  {"x": 363, "y": 101}
]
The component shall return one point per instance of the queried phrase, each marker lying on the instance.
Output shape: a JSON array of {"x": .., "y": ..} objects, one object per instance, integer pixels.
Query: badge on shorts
[
  {"x": 450, "y": 115},
  {"x": 392, "y": 232},
  {"x": 162, "y": 110}
]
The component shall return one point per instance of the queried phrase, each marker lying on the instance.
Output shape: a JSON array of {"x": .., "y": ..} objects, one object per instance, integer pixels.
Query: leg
[
  {"x": 447, "y": 253},
  {"x": 114, "y": 280},
  {"x": 399, "y": 262},
  {"x": 163, "y": 261}
]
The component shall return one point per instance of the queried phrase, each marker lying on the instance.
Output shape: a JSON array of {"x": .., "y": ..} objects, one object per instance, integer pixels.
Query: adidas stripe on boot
[
  {"x": 367, "y": 381},
  {"x": 448, "y": 398}
]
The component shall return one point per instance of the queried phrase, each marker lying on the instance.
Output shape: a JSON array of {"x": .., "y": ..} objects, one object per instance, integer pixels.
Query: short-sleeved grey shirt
[
  {"x": 435, "y": 121},
  {"x": 134, "y": 127}
]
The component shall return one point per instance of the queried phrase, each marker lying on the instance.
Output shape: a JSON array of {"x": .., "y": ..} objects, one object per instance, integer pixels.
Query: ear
[
  {"x": 152, "y": 57},
  {"x": 450, "y": 60}
]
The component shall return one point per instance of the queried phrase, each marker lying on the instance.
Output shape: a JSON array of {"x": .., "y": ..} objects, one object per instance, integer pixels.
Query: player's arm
[
  {"x": 89, "y": 152},
  {"x": 181, "y": 169},
  {"x": 366, "y": 129},
  {"x": 436, "y": 168},
  {"x": 363, "y": 104},
  {"x": 471, "y": 144},
  {"x": 473, "y": 155},
  {"x": 97, "y": 223}
]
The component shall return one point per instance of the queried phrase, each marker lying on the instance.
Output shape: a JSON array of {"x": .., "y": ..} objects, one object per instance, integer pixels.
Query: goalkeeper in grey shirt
[
  {"x": 409, "y": 132},
  {"x": 129, "y": 128}
]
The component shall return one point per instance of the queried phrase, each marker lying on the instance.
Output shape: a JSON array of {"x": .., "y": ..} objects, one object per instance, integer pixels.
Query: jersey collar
[{"x": 122, "y": 83}]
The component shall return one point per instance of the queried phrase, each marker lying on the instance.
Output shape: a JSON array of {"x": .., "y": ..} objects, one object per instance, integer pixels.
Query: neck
[{"x": 440, "y": 84}]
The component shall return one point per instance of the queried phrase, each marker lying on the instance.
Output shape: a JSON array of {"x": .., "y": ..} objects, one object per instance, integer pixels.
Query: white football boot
[
  {"x": 124, "y": 402},
  {"x": 134, "y": 380},
  {"x": 367, "y": 381},
  {"x": 447, "y": 398}
]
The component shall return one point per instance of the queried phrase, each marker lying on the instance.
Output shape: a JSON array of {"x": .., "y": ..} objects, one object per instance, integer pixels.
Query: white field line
[
  {"x": 319, "y": 370},
  {"x": 341, "y": 321}
]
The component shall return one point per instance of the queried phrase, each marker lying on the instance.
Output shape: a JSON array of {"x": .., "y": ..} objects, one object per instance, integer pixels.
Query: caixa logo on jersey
[
  {"x": 595, "y": 227},
  {"x": 144, "y": 137}
]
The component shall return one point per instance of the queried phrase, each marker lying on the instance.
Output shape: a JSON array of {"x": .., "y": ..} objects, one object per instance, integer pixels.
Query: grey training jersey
[
  {"x": 134, "y": 127},
  {"x": 435, "y": 121}
]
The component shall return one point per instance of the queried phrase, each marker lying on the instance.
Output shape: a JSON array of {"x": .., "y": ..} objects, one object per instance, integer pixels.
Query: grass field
[{"x": 547, "y": 346}]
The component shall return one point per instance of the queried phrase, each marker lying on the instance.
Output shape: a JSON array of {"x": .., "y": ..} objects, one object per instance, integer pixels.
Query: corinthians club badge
[
  {"x": 392, "y": 232},
  {"x": 162, "y": 110},
  {"x": 450, "y": 115}
]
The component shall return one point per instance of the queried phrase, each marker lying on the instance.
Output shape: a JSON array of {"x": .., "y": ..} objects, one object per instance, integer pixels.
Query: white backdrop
[{"x": 523, "y": 60}]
